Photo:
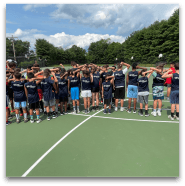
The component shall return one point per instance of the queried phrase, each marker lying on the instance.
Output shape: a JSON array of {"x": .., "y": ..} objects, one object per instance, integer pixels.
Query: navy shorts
[{"x": 174, "y": 97}]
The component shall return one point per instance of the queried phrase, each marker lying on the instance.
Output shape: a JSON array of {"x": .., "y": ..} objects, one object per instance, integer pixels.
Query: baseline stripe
[{"x": 47, "y": 152}]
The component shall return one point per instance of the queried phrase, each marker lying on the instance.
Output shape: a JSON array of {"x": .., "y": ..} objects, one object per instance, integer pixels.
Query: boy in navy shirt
[
  {"x": 63, "y": 91},
  {"x": 174, "y": 95},
  {"x": 107, "y": 92},
  {"x": 33, "y": 97},
  {"x": 47, "y": 85},
  {"x": 143, "y": 91},
  {"x": 19, "y": 96}
]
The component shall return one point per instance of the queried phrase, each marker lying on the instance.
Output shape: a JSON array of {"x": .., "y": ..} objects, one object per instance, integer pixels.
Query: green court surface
[{"x": 112, "y": 145}]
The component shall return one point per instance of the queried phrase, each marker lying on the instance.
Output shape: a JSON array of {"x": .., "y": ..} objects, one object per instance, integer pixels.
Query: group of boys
[{"x": 49, "y": 88}]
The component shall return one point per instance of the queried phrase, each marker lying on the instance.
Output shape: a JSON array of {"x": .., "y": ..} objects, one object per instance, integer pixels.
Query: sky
[{"x": 65, "y": 25}]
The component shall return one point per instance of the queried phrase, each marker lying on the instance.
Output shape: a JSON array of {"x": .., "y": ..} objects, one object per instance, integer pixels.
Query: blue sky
[{"x": 80, "y": 24}]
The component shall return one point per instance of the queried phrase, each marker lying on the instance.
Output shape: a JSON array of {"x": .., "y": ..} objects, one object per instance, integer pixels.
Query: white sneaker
[
  {"x": 159, "y": 113},
  {"x": 175, "y": 117},
  {"x": 78, "y": 111},
  {"x": 154, "y": 113},
  {"x": 172, "y": 118},
  {"x": 116, "y": 109},
  {"x": 74, "y": 112},
  {"x": 121, "y": 109}
]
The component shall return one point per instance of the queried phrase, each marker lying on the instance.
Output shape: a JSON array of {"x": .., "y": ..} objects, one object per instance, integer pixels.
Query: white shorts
[{"x": 86, "y": 93}]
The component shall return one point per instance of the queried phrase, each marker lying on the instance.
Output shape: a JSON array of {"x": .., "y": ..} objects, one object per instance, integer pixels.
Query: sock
[
  {"x": 38, "y": 116},
  {"x": 172, "y": 114},
  {"x": 17, "y": 116},
  {"x": 44, "y": 109},
  {"x": 53, "y": 112},
  {"x": 105, "y": 110},
  {"x": 77, "y": 107},
  {"x": 121, "y": 107},
  {"x": 159, "y": 110},
  {"x": 31, "y": 116},
  {"x": 116, "y": 107},
  {"x": 74, "y": 108},
  {"x": 47, "y": 114},
  {"x": 146, "y": 111},
  {"x": 141, "y": 110},
  {"x": 177, "y": 114},
  {"x": 109, "y": 110},
  {"x": 154, "y": 110},
  {"x": 56, "y": 108},
  {"x": 25, "y": 115}
]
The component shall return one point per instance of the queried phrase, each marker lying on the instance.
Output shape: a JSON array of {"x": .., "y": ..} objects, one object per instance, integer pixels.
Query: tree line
[{"x": 144, "y": 45}]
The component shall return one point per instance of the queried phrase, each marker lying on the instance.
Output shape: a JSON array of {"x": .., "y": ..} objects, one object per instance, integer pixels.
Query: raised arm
[
  {"x": 55, "y": 78},
  {"x": 155, "y": 69},
  {"x": 127, "y": 65},
  {"x": 62, "y": 65},
  {"x": 166, "y": 75},
  {"x": 91, "y": 78},
  {"x": 38, "y": 73}
]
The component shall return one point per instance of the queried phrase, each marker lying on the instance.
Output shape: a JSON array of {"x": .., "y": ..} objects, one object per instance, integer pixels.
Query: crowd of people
[{"x": 34, "y": 90}]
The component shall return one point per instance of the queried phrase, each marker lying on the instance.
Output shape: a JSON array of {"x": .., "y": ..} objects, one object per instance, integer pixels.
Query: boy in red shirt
[{"x": 168, "y": 81}]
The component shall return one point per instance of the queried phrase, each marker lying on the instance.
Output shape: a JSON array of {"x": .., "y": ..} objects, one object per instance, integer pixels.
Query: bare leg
[
  {"x": 129, "y": 102},
  {"x": 122, "y": 102},
  {"x": 97, "y": 98},
  {"x": 135, "y": 102},
  {"x": 168, "y": 91}
]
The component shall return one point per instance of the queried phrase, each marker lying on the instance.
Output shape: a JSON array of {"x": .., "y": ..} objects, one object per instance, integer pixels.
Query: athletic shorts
[
  {"x": 169, "y": 85},
  {"x": 18, "y": 104},
  {"x": 7, "y": 101},
  {"x": 132, "y": 91},
  {"x": 141, "y": 99},
  {"x": 49, "y": 103},
  {"x": 119, "y": 93},
  {"x": 34, "y": 106},
  {"x": 75, "y": 93},
  {"x": 63, "y": 99},
  {"x": 56, "y": 96},
  {"x": 10, "y": 93},
  {"x": 158, "y": 92},
  {"x": 86, "y": 93},
  {"x": 95, "y": 89},
  {"x": 40, "y": 93},
  {"x": 107, "y": 101},
  {"x": 174, "y": 97}
]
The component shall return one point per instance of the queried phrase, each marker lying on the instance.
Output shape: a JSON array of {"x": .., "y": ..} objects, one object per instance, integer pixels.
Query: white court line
[
  {"x": 130, "y": 119},
  {"x": 47, "y": 152}
]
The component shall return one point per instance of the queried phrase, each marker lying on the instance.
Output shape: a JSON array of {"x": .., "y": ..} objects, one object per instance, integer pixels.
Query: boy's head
[
  {"x": 47, "y": 72},
  {"x": 17, "y": 75},
  {"x": 85, "y": 73},
  {"x": 12, "y": 65},
  {"x": 134, "y": 65},
  {"x": 106, "y": 77},
  {"x": 29, "y": 67},
  {"x": 17, "y": 70},
  {"x": 30, "y": 75},
  {"x": 176, "y": 66},
  {"x": 119, "y": 65},
  {"x": 73, "y": 63},
  {"x": 172, "y": 64},
  {"x": 114, "y": 68},
  {"x": 104, "y": 68},
  {"x": 142, "y": 74}
]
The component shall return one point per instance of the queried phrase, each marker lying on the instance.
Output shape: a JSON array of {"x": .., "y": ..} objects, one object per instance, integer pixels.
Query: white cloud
[
  {"x": 33, "y": 6},
  {"x": 127, "y": 17},
  {"x": 9, "y": 22},
  {"x": 63, "y": 39}
]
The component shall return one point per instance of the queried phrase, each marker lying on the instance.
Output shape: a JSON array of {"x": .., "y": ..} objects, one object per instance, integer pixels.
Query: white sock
[
  {"x": 17, "y": 116},
  {"x": 25, "y": 115},
  {"x": 44, "y": 109},
  {"x": 116, "y": 107},
  {"x": 121, "y": 107},
  {"x": 56, "y": 108}
]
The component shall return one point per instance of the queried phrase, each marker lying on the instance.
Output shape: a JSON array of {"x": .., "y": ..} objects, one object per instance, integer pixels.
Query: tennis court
[{"x": 117, "y": 144}]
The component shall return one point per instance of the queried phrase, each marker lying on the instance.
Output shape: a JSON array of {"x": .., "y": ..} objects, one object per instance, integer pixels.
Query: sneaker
[
  {"x": 116, "y": 109},
  {"x": 129, "y": 110},
  {"x": 88, "y": 111},
  {"x": 65, "y": 113},
  {"x": 48, "y": 118},
  {"x": 17, "y": 121},
  {"x": 134, "y": 111},
  {"x": 9, "y": 122},
  {"x": 121, "y": 109},
  {"x": 140, "y": 113},
  {"x": 62, "y": 113},
  {"x": 177, "y": 118},
  {"x": 85, "y": 112},
  {"x": 170, "y": 117},
  {"x": 158, "y": 113},
  {"x": 97, "y": 108},
  {"x": 31, "y": 120},
  {"x": 146, "y": 115},
  {"x": 154, "y": 113},
  {"x": 105, "y": 112},
  {"x": 109, "y": 111},
  {"x": 54, "y": 116},
  {"x": 93, "y": 110},
  {"x": 78, "y": 111},
  {"x": 38, "y": 120},
  {"x": 25, "y": 120},
  {"x": 74, "y": 112}
]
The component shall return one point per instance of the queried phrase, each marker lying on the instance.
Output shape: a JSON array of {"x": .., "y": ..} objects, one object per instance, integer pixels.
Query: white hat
[{"x": 9, "y": 60}]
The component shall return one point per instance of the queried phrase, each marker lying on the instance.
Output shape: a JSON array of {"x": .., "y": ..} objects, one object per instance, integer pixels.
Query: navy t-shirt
[
  {"x": 107, "y": 86},
  {"x": 158, "y": 81},
  {"x": 133, "y": 76},
  {"x": 57, "y": 76},
  {"x": 103, "y": 75},
  {"x": 143, "y": 84},
  {"x": 33, "y": 96},
  {"x": 86, "y": 83},
  {"x": 74, "y": 81},
  {"x": 175, "y": 82},
  {"x": 119, "y": 80},
  {"x": 63, "y": 88},
  {"x": 18, "y": 89},
  {"x": 96, "y": 80},
  {"x": 47, "y": 86}
]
